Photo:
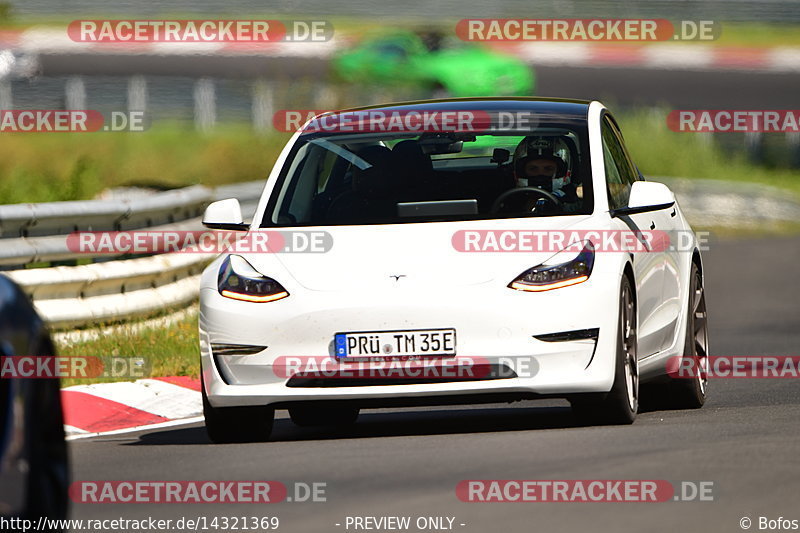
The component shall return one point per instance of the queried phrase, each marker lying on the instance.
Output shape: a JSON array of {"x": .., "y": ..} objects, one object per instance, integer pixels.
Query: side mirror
[
  {"x": 224, "y": 214},
  {"x": 646, "y": 196}
]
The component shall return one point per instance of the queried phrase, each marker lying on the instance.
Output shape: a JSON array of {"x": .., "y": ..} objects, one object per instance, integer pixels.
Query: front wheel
[
  {"x": 237, "y": 424},
  {"x": 621, "y": 403},
  {"x": 690, "y": 392}
]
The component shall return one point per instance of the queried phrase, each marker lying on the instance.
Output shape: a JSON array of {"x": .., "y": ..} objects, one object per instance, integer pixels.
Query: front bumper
[{"x": 494, "y": 325}]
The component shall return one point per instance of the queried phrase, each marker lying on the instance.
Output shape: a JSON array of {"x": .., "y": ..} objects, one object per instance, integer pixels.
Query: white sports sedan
[{"x": 452, "y": 251}]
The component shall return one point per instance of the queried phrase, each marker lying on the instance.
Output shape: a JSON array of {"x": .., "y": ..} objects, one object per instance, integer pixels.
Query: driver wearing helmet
[{"x": 538, "y": 165}]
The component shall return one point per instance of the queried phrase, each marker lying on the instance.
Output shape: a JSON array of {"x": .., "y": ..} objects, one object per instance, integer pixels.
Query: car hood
[{"x": 419, "y": 254}]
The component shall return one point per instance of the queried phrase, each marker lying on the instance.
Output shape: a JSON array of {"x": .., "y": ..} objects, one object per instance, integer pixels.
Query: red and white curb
[{"x": 111, "y": 408}]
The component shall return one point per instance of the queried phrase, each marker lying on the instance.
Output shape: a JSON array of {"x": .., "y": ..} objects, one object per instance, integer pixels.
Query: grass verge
[
  {"x": 41, "y": 168},
  {"x": 77, "y": 166},
  {"x": 167, "y": 351},
  {"x": 658, "y": 151}
]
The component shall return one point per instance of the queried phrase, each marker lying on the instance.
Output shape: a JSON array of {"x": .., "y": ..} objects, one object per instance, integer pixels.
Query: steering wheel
[{"x": 541, "y": 193}]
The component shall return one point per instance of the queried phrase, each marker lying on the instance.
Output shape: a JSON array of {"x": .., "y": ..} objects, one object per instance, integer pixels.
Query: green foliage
[
  {"x": 658, "y": 151},
  {"x": 42, "y": 167},
  {"x": 53, "y": 166}
]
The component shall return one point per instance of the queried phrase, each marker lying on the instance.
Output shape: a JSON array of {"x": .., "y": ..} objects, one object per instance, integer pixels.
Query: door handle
[
  {"x": 674, "y": 212},
  {"x": 652, "y": 225}
]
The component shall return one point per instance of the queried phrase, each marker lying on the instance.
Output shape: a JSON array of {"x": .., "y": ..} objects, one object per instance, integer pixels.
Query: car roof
[
  {"x": 571, "y": 110},
  {"x": 561, "y": 106}
]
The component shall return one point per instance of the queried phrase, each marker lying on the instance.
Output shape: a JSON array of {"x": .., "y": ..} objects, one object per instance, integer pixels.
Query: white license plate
[{"x": 431, "y": 342}]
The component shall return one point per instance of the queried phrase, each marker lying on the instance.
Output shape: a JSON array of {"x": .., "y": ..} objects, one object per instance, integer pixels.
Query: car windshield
[{"x": 389, "y": 178}]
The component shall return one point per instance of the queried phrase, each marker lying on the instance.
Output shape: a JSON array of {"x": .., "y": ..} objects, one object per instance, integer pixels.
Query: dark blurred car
[{"x": 34, "y": 474}]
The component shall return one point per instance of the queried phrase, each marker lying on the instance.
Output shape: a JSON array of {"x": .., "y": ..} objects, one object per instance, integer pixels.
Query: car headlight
[
  {"x": 558, "y": 271},
  {"x": 240, "y": 281}
]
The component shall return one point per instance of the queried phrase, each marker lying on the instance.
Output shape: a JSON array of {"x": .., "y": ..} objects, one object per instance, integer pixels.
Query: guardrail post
[
  {"x": 137, "y": 94},
  {"x": 325, "y": 98},
  {"x": 754, "y": 145},
  {"x": 205, "y": 104},
  {"x": 6, "y": 98},
  {"x": 263, "y": 106},
  {"x": 75, "y": 93},
  {"x": 793, "y": 144}
]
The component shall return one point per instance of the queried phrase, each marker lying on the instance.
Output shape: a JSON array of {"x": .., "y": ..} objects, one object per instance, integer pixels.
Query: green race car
[{"x": 407, "y": 58}]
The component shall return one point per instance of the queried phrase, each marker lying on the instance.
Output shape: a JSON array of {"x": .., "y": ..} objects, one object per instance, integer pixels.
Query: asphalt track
[
  {"x": 623, "y": 86},
  {"x": 680, "y": 89},
  {"x": 408, "y": 462}
]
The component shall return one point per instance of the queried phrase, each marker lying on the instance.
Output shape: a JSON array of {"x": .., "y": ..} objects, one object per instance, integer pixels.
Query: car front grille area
[{"x": 481, "y": 372}]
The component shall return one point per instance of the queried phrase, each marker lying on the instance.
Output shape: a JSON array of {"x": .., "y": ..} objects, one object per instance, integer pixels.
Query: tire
[
  {"x": 323, "y": 416},
  {"x": 237, "y": 424},
  {"x": 621, "y": 403},
  {"x": 690, "y": 393}
]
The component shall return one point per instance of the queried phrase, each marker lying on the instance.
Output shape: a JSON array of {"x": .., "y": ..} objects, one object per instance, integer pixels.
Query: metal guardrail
[
  {"x": 32, "y": 233},
  {"x": 109, "y": 292},
  {"x": 58, "y": 218},
  {"x": 115, "y": 290},
  {"x": 730, "y": 204}
]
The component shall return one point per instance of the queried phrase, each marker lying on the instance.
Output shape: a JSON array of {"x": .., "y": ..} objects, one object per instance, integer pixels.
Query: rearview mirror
[
  {"x": 500, "y": 156},
  {"x": 646, "y": 196},
  {"x": 224, "y": 214},
  {"x": 441, "y": 147}
]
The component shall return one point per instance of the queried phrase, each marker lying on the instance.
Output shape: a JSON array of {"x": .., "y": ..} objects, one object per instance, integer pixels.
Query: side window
[
  {"x": 620, "y": 173},
  {"x": 326, "y": 166},
  {"x": 304, "y": 183},
  {"x": 633, "y": 171},
  {"x": 392, "y": 51}
]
